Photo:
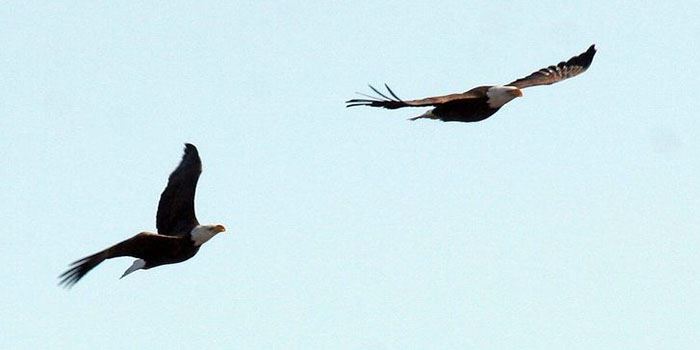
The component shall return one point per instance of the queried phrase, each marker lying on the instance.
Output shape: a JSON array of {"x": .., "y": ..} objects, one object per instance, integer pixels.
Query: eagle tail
[
  {"x": 80, "y": 268},
  {"x": 427, "y": 115},
  {"x": 383, "y": 101}
]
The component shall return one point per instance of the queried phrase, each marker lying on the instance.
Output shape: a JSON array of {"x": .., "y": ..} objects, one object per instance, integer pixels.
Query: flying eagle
[
  {"x": 480, "y": 102},
  {"x": 179, "y": 234}
]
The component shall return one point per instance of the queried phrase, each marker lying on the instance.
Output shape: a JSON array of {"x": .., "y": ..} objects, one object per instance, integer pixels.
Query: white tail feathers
[
  {"x": 427, "y": 115},
  {"x": 137, "y": 265}
]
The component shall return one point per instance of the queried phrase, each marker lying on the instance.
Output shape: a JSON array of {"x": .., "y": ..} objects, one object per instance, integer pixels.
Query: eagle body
[
  {"x": 480, "y": 102},
  {"x": 179, "y": 234},
  {"x": 155, "y": 249},
  {"x": 487, "y": 100}
]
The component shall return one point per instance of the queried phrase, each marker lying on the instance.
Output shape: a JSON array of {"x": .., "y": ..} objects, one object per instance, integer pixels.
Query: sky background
[{"x": 568, "y": 220}]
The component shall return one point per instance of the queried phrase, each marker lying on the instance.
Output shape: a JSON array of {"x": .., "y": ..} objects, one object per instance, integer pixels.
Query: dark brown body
[
  {"x": 468, "y": 110},
  {"x": 159, "y": 250}
]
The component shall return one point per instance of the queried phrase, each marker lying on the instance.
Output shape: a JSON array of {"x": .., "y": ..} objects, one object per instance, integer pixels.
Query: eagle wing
[
  {"x": 176, "y": 216},
  {"x": 553, "y": 74},
  {"x": 394, "y": 102},
  {"x": 138, "y": 246}
]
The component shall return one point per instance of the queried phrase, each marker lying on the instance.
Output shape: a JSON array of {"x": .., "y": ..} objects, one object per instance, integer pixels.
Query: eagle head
[
  {"x": 202, "y": 233},
  {"x": 500, "y": 95}
]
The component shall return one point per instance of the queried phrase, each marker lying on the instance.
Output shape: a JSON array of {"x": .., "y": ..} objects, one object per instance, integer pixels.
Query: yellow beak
[
  {"x": 516, "y": 92},
  {"x": 219, "y": 228}
]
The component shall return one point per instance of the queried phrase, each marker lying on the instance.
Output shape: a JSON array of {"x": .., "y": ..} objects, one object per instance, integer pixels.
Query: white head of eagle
[
  {"x": 499, "y": 95},
  {"x": 202, "y": 233}
]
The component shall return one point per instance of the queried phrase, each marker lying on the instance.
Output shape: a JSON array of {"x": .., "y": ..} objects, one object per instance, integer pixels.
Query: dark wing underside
[
  {"x": 176, "y": 216},
  {"x": 144, "y": 245},
  {"x": 394, "y": 102},
  {"x": 553, "y": 74}
]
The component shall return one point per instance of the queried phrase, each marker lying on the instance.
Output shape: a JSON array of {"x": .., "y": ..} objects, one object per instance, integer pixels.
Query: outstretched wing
[
  {"x": 552, "y": 74},
  {"x": 394, "y": 102},
  {"x": 176, "y": 215},
  {"x": 139, "y": 246}
]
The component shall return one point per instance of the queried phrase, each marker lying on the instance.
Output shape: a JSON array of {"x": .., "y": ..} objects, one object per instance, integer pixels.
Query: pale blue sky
[{"x": 568, "y": 220}]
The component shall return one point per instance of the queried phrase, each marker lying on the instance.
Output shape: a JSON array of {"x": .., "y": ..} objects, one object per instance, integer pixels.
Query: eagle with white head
[
  {"x": 480, "y": 102},
  {"x": 179, "y": 234}
]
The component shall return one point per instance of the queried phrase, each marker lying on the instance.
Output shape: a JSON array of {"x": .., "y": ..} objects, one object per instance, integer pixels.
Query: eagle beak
[
  {"x": 516, "y": 92},
  {"x": 219, "y": 228}
]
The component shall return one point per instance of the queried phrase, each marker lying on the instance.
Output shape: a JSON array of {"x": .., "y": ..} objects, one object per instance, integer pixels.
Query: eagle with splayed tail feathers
[
  {"x": 179, "y": 234},
  {"x": 480, "y": 102}
]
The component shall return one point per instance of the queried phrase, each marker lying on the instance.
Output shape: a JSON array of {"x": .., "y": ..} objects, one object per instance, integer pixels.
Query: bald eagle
[
  {"x": 179, "y": 234},
  {"x": 480, "y": 102}
]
